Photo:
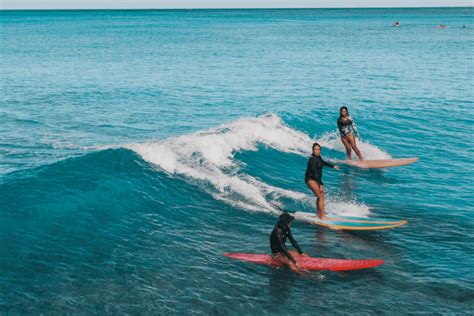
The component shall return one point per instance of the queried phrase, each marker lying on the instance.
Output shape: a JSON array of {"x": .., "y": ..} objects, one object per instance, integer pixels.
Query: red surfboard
[{"x": 309, "y": 263}]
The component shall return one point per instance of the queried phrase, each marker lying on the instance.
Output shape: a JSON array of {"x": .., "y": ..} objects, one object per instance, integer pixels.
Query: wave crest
[{"x": 208, "y": 156}]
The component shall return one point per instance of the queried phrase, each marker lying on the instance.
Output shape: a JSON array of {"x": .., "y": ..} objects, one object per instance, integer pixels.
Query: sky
[{"x": 172, "y": 4}]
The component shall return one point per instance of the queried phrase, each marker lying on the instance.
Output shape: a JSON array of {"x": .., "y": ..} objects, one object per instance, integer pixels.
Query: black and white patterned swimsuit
[{"x": 346, "y": 127}]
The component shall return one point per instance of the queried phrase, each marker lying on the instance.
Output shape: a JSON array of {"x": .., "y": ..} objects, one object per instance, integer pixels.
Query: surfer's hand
[
  {"x": 336, "y": 167},
  {"x": 303, "y": 255}
]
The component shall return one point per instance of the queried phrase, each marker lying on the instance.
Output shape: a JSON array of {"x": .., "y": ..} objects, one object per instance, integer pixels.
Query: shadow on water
[
  {"x": 280, "y": 282},
  {"x": 368, "y": 236},
  {"x": 347, "y": 183},
  {"x": 349, "y": 236},
  {"x": 354, "y": 245},
  {"x": 350, "y": 176},
  {"x": 366, "y": 274}
]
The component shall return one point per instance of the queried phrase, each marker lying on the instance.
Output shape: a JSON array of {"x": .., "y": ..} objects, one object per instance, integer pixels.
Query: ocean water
[{"x": 136, "y": 147}]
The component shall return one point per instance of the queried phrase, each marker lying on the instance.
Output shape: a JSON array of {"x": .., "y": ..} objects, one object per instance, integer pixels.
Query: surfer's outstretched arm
[
  {"x": 327, "y": 164},
  {"x": 294, "y": 243}
]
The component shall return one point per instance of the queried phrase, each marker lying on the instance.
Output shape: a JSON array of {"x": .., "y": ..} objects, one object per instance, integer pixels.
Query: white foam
[
  {"x": 209, "y": 157},
  {"x": 351, "y": 208},
  {"x": 333, "y": 141},
  {"x": 336, "y": 206}
]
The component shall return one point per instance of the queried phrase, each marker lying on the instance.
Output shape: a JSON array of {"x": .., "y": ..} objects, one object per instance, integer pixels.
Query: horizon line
[{"x": 230, "y": 8}]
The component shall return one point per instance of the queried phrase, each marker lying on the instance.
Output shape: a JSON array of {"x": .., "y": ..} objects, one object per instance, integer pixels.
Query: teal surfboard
[
  {"x": 349, "y": 222},
  {"x": 363, "y": 219}
]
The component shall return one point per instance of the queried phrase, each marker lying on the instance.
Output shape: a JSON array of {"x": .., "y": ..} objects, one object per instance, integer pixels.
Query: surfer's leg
[
  {"x": 354, "y": 146},
  {"x": 320, "y": 202},
  {"x": 348, "y": 147},
  {"x": 287, "y": 262},
  {"x": 318, "y": 191}
]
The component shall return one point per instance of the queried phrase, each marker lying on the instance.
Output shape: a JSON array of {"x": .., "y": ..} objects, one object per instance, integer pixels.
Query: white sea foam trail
[
  {"x": 333, "y": 141},
  {"x": 208, "y": 157},
  {"x": 346, "y": 208}
]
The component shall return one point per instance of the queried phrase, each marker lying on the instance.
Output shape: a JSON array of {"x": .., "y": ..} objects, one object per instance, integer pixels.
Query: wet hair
[
  {"x": 316, "y": 145},
  {"x": 343, "y": 108},
  {"x": 285, "y": 219}
]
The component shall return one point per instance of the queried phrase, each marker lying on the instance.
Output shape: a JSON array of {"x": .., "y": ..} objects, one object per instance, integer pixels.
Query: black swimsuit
[
  {"x": 314, "y": 169},
  {"x": 278, "y": 239}
]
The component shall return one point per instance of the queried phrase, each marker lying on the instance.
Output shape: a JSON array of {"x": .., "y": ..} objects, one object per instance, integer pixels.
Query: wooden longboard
[{"x": 378, "y": 163}]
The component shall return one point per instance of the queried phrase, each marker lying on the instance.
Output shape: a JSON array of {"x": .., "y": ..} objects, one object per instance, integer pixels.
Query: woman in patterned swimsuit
[{"x": 347, "y": 128}]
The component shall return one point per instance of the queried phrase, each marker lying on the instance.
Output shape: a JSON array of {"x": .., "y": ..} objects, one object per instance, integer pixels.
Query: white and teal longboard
[{"x": 349, "y": 222}]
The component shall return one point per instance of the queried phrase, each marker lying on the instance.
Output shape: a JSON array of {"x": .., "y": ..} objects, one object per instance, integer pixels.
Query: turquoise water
[{"x": 136, "y": 147}]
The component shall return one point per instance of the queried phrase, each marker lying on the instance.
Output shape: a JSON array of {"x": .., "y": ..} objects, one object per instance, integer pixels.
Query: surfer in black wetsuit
[
  {"x": 313, "y": 175},
  {"x": 347, "y": 128},
  {"x": 277, "y": 243}
]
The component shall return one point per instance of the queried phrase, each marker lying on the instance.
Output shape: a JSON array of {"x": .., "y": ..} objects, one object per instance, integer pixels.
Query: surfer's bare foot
[
  {"x": 295, "y": 267},
  {"x": 321, "y": 215}
]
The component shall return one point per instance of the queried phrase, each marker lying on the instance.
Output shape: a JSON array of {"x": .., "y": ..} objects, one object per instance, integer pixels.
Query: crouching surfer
[{"x": 278, "y": 238}]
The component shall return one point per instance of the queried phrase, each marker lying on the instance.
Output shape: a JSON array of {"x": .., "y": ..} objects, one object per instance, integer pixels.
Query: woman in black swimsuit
[
  {"x": 280, "y": 252},
  {"x": 313, "y": 178},
  {"x": 347, "y": 128}
]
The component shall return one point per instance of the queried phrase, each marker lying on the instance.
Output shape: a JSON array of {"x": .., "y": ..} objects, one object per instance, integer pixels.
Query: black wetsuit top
[
  {"x": 346, "y": 127},
  {"x": 278, "y": 239},
  {"x": 314, "y": 169}
]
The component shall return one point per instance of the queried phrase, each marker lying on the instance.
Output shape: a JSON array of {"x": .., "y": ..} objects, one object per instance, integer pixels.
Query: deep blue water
[{"x": 136, "y": 147}]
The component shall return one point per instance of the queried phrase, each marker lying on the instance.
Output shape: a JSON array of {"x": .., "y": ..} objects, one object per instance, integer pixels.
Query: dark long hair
[
  {"x": 343, "y": 108},
  {"x": 285, "y": 219},
  {"x": 312, "y": 148}
]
